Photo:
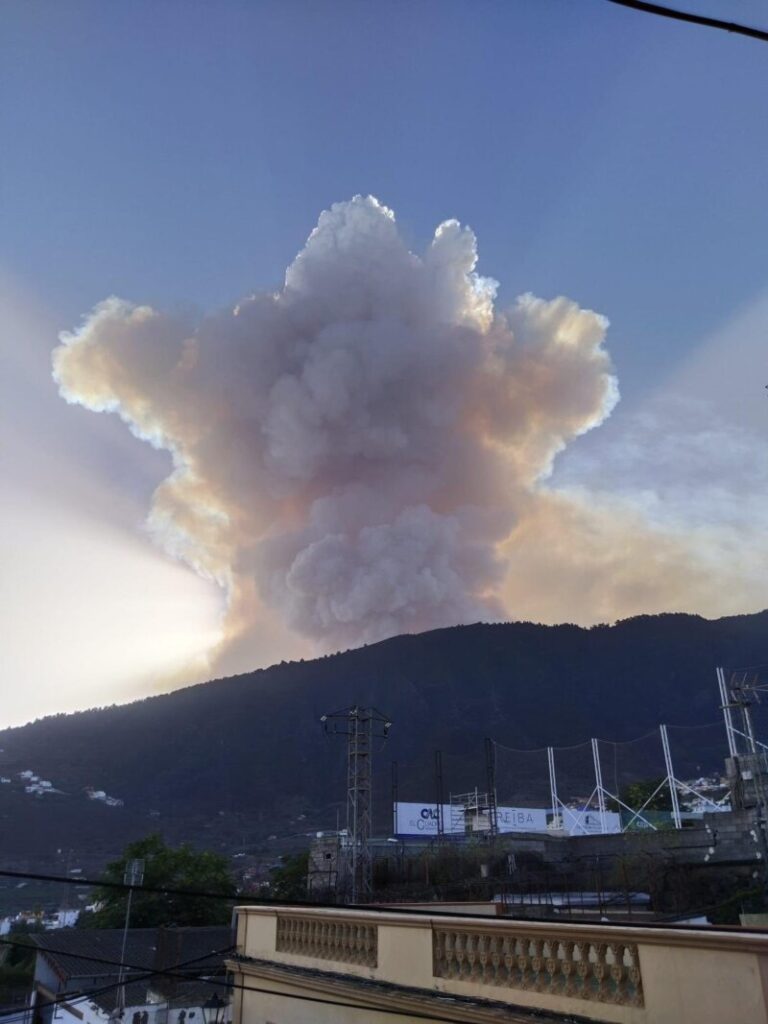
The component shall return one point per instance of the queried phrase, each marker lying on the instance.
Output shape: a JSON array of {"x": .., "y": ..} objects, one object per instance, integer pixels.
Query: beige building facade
[{"x": 341, "y": 966}]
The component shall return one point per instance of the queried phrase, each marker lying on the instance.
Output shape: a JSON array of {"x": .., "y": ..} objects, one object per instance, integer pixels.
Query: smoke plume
[{"x": 352, "y": 451}]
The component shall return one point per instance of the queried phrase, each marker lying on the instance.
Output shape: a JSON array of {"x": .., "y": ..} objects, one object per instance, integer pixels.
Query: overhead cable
[
  {"x": 380, "y": 908},
  {"x": 229, "y": 985},
  {"x": 694, "y": 19},
  {"x": 72, "y": 997}
]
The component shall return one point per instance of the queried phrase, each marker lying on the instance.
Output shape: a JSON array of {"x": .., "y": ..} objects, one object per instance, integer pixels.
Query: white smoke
[{"x": 352, "y": 450}]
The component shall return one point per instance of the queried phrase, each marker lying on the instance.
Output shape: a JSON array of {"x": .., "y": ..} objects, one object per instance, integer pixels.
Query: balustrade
[
  {"x": 348, "y": 942},
  {"x": 603, "y": 971}
]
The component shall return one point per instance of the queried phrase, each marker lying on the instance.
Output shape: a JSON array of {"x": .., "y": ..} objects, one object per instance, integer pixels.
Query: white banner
[
  {"x": 521, "y": 819},
  {"x": 421, "y": 819},
  {"x": 579, "y": 823}
]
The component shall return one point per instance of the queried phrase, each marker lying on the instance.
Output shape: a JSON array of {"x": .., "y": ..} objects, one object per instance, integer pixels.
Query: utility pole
[
  {"x": 439, "y": 795},
  {"x": 395, "y": 797},
  {"x": 490, "y": 774},
  {"x": 134, "y": 875},
  {"x": 361, "y": 726}
]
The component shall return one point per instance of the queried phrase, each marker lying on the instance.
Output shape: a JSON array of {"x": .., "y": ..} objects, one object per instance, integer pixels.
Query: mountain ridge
[{"x": 234, "y": 760}]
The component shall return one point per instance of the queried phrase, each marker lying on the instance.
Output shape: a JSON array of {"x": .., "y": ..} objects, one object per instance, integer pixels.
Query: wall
[{"x": 681, "y": 976}]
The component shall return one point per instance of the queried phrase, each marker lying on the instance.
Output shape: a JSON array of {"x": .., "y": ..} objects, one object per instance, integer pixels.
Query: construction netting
[{"x": 655, "y": 780}]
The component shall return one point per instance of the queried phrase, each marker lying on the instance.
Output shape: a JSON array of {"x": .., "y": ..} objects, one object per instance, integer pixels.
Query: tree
[
  {"x": 17, "y": 963},
  {"x": 634, "y": 795},
  {"x": 179, "y": 868},
  {"x": 289, "y": 880}
]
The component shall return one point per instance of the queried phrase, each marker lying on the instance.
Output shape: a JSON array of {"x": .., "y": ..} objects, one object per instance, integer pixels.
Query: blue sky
[{"x": 178, "y": 154}]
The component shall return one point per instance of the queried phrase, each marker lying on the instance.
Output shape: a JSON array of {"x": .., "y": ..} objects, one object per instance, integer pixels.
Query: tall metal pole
[
  {"x": 490, "y": 770},
  {"x": 670, "y": 777},
  {"x": 133, "y": 875},
  {"x": 725, "y": 703},
  {"x": 553, "y": 785},
  {"x": 394, "y": 798},
  {"x": 121, "y": 973},
  {"x": 599, "y": 784},
  {"x": 439, "y": 795}
]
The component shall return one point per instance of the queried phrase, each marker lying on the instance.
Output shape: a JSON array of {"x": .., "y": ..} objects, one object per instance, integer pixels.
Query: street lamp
[{"x": 212, "y": 1009}]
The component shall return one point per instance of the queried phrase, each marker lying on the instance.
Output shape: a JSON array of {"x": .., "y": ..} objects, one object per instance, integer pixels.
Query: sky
[{"x": 178, "y": 155}]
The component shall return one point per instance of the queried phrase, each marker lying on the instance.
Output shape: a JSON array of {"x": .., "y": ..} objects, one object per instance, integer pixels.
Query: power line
[
  {"x": 241, "y": 987},
  {"x": 104, "y": 884},
  {"x": 71, "y": 997},
  {"x": 229, "y": 985},
  {"x": 693, "y": 19},
  {"x": 240, "y": 898},
  {"x": 428, "y": 910},
  {"x": 67, "y": 997},
  {"x": 14, "y": 943}
]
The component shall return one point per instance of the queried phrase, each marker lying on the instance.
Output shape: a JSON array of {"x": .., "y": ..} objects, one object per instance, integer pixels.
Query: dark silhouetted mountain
[{"x": 231, "y": 762}]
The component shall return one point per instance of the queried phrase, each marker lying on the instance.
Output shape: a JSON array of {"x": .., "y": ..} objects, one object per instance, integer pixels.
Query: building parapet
[
  {"x": 608, "y": 973},
  {"x": 601, "y": 971},
  {"x": 347, "y": 942}
]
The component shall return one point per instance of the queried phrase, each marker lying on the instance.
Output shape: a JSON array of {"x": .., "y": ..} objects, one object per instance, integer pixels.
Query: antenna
[{"x": 361, "y": 726}]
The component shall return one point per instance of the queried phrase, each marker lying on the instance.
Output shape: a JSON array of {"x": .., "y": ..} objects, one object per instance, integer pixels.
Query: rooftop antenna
[{"x": 361, "y": 726}]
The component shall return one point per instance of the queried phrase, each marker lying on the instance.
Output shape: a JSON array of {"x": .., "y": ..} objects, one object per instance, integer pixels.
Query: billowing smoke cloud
[{"x": 351, "y": 451}]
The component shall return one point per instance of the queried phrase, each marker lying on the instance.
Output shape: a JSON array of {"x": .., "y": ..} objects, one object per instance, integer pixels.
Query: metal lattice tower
[{"x": 361, "y": 726}]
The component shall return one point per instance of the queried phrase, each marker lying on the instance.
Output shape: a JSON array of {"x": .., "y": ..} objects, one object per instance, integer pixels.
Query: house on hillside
[{"x": 172, "y": 976}]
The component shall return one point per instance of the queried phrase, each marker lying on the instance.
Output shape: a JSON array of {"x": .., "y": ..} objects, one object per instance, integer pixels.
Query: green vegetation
[
  {"x": 289, "y": 881},
  {"x": 17, "y": 965},
  {"x": 179, "y": 868},
  {"x": 636, "y": 793}
]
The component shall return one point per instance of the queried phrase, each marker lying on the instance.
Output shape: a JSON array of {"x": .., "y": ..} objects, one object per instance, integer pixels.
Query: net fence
[{"x": 599, "y": 785}]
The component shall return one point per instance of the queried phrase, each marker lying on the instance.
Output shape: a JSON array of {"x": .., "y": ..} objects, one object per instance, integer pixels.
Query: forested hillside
[{"x": 234, "y": 761}]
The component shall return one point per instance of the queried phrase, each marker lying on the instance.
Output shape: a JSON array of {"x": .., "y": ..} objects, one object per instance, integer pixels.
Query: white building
[{"x": 170, "y": 976}]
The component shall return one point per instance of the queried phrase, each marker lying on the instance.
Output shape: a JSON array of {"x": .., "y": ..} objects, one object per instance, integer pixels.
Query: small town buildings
[{"x": 171, "y": 977}]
